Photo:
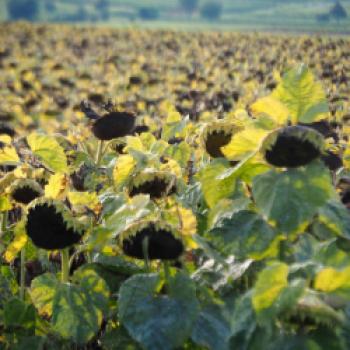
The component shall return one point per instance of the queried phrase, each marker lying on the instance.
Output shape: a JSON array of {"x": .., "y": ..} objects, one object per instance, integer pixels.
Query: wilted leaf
[
  {"x": 49, "y": 151},
  {"x": 305, "y": 98},
  {"x": 58, "y": 186},
  {"x": 213, "y": 188}
]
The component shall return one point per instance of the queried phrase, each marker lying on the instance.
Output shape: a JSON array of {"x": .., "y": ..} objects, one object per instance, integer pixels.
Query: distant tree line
[
  {"x": 337, "y": 12},
  {"x": 30, "y": 10}
]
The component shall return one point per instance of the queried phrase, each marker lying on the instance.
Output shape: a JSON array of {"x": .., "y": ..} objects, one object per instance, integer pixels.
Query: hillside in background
[{"x": 291, "y": 15}]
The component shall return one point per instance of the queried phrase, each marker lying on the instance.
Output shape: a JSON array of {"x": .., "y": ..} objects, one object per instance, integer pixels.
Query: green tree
[
  {"x": 338, "y": 11},
  {"x": 189, "y": 5},
  {"x": 23, "y": 9},
  {"x": 102, "y": 8},
  {"x": 211, "y": 10}
]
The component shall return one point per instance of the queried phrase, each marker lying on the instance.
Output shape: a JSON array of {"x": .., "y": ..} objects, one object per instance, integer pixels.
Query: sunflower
[
  {"x": 51, "y": 226},
  {"x": 216, "y": 135},
  {"x": 25, "y": 191},
  {"x": 154, "y": 240},
  {"x": 292, "y": 146},
  {"x": 155, "y": 183},
  {"x": 113, "y": 125}
]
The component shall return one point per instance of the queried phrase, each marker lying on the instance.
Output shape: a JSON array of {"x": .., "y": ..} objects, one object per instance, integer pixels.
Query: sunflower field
[{"x": 168, "y": 190}]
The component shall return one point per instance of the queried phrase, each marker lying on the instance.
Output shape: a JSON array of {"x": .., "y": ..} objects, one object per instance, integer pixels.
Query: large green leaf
[
  {"x": 211, "y": 329},
  {"x": 245, "y": 234},
  {"x": 336, "y": 217},
  {"x": 76, "y": 310},
  {"x": 214, "y": 188},
  {"x": 19, "y": 318},
  {"x": 291, "y": 198},
  {"x": 158, "y": 321},
  {"x": 305, "y": 98},
  {"x": 49, "y": 151}
]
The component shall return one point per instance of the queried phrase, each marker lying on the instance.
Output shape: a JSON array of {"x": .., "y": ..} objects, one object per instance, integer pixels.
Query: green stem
[
  {"x": 3, "y": 223},
  {"x": 166, "y": 273},
  {"x": 65, "y": 265},
  {"x": 23, "y": 274},
  {"x": 145, "y": 253},
  {"x": 99, "y": 153}
]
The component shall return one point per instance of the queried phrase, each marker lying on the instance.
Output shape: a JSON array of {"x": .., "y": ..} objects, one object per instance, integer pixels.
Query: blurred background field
[{"x": 269, "y": 15}]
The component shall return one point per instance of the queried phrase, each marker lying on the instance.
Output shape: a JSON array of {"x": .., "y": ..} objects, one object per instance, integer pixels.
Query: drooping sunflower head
[
  {"x": 154, "y": 240},
  {"x": 156, "y": 183},
  {"x": 6, "y": 129},
  {"x": 51, "y": 225},
  {"x": 113, "y": 125},
  {"x": 292, "y": 146},
  {"x": 216, "y": 135},
  {"x": 24, "y": 191}
]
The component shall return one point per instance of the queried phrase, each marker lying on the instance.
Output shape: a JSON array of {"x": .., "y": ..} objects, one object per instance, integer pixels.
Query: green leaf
[
  {"x": 76, "y": 310},
  {"x": 181, "y": 153},
  {"x": 305, "y": 98},
  {"x": 213, "y": 188},
  {"x": 245, "y": 234},
  {"x": 291, "y": 198},
  {"x": 336, "y": 217},
  {"x": 19, "y": 318},
  {"x": 269, "y": 285},
  {"x": 117, "y": 339},
  {"x": 158, "y": 321},
  {"x": 211, "y": 329},
  {"x": 49, "y": 151}
]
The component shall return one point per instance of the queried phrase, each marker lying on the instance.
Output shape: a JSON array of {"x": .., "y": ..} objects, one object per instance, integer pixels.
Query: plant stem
[
  {"x": 65, "y": 265},
  {"x": 99, "y": 153},
  {"x": 145, "y": 253},
  {"x": 166, "y": 273},
  {"x": 23, "y": 274},
  {"x": 3, "y": 223}
]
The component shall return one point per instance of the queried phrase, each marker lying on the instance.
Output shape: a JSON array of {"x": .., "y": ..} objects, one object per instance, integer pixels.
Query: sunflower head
[
  {"x": 24, "y": 191},
  {"x": 292, "y": 146},
  {"x": 216, "y": 135},
  {"x": 6, "y": 129},
  {"x": 156, "y": 240},
  {"x": 155, "y": 183},
  {"x": 51, "y": 225},
  {"x": 113, "y": 125},
  {"x": 332, "y": 160}
]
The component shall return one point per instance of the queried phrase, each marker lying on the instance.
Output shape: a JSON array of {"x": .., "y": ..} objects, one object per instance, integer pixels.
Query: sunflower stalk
[
  {"x": 145, "y": 245},
  {"x": 166, "y": 268},
  {"x": 99, "y": 153},
  {"x": 23, "y": 274},
  {"x": 65, "y": 265},
  {"x": 3, "y": 223}
]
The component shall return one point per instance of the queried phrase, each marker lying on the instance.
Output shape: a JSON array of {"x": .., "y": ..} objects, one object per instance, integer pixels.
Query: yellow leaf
[
  {"x": 49, "y": 151},
  {"x": 19, "y": 241},
  {"x": 8, "y": 156},
  {"x": 329, "y": 279},
  {"x": 5, "y": 139},
  {"x": 134, "y": 142},
  {"x": 5, "y": 203},
  {"x": 271, "y": 107},
  {"x": 173, "y": 117},
  {"x": 57, "y": 187},
  {"x": 85, "y": 199},
  {"x": 244, "y": 143},
  {"x": 123, "y": 169},
  {"x": 269, "y": 285},
  {"x": 171, "y": 166}
]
